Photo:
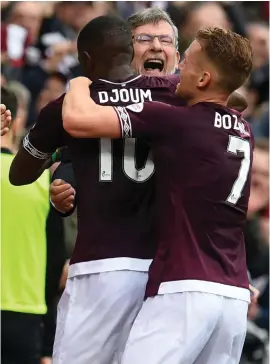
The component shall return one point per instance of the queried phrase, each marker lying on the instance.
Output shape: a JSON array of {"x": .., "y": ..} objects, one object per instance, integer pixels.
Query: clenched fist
[{"x": 62, "y": 195}]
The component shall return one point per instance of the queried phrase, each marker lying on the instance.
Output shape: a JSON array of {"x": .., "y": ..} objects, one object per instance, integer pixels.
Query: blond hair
[{"x": 230, "y": 53}]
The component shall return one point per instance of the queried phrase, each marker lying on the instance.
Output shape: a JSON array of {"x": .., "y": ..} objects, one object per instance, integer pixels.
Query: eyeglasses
[{"x": 164, "y": 39}]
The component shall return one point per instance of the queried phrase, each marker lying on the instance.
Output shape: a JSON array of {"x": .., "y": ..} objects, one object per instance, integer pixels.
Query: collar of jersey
[{"x": 121, "y": 83}]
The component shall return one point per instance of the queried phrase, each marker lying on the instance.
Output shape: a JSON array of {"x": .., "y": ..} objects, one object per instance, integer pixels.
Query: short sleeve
[
  {"x": 147, "y": 120},
  {"x": 48, "y": 133}
]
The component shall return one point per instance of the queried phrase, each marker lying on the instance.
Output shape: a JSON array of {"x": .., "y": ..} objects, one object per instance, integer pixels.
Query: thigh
[
  {"x": 95, "y": 315},
  {"x": 226, "y": 343},
  {"x": 21, "y": 337},
  {"x": 172, "y": 328}
]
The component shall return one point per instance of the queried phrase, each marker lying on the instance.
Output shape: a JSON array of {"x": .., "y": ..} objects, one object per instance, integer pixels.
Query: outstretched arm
[{"x": 83, "y": 118}]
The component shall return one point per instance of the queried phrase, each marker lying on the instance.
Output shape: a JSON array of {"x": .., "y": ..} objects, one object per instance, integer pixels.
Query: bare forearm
[
  {"x": 26, "y": 169},
  {"x": 83, "y": 118},
  {"x": 78, "y": 109}
]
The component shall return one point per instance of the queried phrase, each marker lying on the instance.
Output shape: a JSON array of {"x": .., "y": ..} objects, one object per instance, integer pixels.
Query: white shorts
[
  {"x": 188, "y": 328},
  {"x": 95, "y": 316}
]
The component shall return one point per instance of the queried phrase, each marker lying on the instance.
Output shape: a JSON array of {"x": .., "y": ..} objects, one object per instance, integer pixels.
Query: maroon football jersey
[
  {"x": 202, "y": 156},
  {"x": 114, "y": 179}
]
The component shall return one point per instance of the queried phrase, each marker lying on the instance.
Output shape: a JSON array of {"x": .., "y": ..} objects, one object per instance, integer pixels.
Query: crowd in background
[{"x": 38, "y": 58}]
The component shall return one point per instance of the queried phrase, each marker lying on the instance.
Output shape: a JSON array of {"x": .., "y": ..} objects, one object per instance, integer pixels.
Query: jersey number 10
[{"x": 129, "y": 163}]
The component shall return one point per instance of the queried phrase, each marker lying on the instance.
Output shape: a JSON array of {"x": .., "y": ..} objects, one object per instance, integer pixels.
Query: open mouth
[{"x": 154, "y": 65}]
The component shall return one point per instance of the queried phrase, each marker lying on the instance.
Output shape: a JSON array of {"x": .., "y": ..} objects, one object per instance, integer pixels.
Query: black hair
[
  {"x": 9, "y": 99},
  {"x": 106, "y": 36}
]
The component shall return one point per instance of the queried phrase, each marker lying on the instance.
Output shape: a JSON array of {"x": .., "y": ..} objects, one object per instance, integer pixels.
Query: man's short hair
[
  {"x": 108, "y": 35},
  {"x": 9, "y": 99},
  {"x": 230, "y": 53},
  {"x": 152, "y": 16}
]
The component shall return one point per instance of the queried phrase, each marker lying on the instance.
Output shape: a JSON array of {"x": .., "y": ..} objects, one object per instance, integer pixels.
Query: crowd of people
[{"x": 39, "y": 58}]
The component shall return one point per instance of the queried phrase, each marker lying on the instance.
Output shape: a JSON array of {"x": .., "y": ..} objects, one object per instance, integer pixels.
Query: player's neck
[
  {"x": 216, "y": 98},
  {"x": 120, "y": 73}
]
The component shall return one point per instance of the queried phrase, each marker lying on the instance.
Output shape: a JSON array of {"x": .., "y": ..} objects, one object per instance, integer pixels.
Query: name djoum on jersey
[{"x": 125, "y": 95}]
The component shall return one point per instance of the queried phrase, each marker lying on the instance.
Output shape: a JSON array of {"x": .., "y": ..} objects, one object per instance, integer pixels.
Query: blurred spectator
[
  {"x": 55, "y": 85},
  {"x": 261, "y": 128},
  {"x": 3, "y": 80},
  {"x": 20, "y": 32},
  {"x": 256, "y": 239},
  {"x": 23, "y": 221},
  {"x": 257, "y": 246},
  {"x": 28, "y": 15},
  {"x": 24, "y": 98},
  {"x": 199, "y": 14},
  {"x": 258, "y": 33},
  {"x": 205, "y": 14},
  {"x": 260, "y": 185},
  {"x": 30, "y": 272}
]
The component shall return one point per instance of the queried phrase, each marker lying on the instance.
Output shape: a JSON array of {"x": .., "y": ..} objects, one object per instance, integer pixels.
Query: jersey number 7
[{"x": 236, "y": 145}]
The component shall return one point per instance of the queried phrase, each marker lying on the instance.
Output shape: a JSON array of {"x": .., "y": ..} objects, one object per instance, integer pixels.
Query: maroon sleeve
[
  {"x": 150, "y": 119},
  {"x": 48, "y": 133}
]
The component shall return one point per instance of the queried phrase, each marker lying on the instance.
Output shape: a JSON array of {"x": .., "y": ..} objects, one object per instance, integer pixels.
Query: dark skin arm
[{"x": 26, "y": 169}]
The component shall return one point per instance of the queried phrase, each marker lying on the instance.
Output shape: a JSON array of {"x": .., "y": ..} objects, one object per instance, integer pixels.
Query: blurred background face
[
  {"x": 55, "y": 86},
  {"x": 206, "y": 15},
  {"x": 155, "y": 58},
  {"x": 77, "y": 14},
  {"x": 259, "y": 39},
  {"x": 28, "y": 15}
]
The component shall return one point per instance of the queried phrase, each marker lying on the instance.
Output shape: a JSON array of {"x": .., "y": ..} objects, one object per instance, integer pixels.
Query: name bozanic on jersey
[
  {"x": 132, "y": 95},
  {"x": 230, "y": 122}
]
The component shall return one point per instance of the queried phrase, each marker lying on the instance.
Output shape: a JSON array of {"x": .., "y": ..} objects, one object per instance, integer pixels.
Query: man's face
[
  {"x": 28, "y": 15},
  {"x": 259, "y": 40},
  {"x": 156, "y": 57},
  {"x": 190, "y": 71}
]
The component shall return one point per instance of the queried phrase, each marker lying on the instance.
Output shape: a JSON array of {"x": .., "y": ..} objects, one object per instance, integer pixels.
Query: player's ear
[{"x": 204, "y": 80}]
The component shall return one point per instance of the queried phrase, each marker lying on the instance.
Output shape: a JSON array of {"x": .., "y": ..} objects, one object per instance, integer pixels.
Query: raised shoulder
[
  {"x": 173, "y": 79},
  {"x": 168, "y": 82}
]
